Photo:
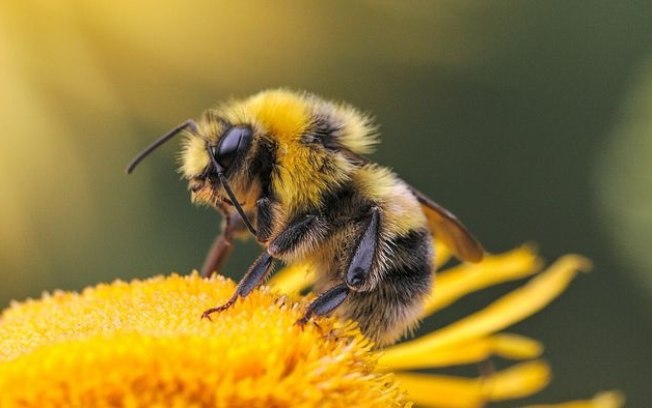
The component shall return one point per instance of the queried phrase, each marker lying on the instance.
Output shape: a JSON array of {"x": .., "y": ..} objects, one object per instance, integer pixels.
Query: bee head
[
  {"x": 290, "y": 145},
  {"x": 212, "y": 162},
  {"x": 215, "y": 163}
]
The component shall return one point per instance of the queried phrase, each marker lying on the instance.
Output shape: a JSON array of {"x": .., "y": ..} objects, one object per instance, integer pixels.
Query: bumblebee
[{"x": 290, "y": 168}]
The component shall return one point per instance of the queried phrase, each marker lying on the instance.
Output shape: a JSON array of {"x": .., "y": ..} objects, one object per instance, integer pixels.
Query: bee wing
[
  {"x": 449, "y": 229},
  {"x": 441, "y": 222}
]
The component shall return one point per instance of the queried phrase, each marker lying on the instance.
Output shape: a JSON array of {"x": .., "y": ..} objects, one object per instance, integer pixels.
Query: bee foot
[
  {"x": 207, "y": 313},
  {"x": 281, "y": 301},
  {"x": 301, "y": 322},
  {"x": 332, "y": 336},
  {"x": 304, "y": 320}
]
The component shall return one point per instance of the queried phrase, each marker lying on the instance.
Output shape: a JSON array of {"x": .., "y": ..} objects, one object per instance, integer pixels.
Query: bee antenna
[
  {"x": 189, "y": 124},
  {"x": 220, "y": 173},
  {"x": 235, "y": 202}
]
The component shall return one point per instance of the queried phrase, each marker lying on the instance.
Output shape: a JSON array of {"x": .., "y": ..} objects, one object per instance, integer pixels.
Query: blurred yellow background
[{"x": 530, "y": 120}]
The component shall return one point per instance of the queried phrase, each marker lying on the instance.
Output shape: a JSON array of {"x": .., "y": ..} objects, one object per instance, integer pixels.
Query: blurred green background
[{"x": 530, "y": 120}]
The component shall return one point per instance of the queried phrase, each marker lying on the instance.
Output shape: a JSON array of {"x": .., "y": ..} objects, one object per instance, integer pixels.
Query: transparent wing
[
  {"x": 445, "y": 226},
  {"x": 441, "y": 222}
]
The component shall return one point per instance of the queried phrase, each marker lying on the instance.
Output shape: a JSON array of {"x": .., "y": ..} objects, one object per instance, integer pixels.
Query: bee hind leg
[
  {"x": 325, "y": 303},
  {"x": 357, "y": 275}
]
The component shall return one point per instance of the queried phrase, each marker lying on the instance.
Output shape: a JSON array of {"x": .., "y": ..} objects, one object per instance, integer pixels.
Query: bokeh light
[{"x": 624, "y": 181}]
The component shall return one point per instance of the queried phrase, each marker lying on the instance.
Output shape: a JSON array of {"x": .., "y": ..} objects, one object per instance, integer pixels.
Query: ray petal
[
  {"x": 607, "y": 399},
  {"x": 505, "y": 345},
  {"x": 507, "y": 310},
  {"x": 292, "y": 279},
  {"x": 442, "y": 253},
  {"x": 454, "y": 283},
  {"x": 452, "y": 392}
]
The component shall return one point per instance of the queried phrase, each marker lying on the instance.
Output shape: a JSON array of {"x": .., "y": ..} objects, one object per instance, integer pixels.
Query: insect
[{"x": 289, "y": 167}]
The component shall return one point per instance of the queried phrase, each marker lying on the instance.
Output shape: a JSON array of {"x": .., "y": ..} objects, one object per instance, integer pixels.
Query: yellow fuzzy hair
[
  {"x": 402, "y": 212},
  {"x": 288, "y": 114},
  {"x": 285, "y": 116}
]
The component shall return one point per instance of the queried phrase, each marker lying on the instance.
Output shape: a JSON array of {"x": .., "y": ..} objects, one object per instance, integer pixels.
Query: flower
[
  {"x": 143, "y": 344},
  {"x": 476, "y": 338},
  {"x": 600, "y": 400}
]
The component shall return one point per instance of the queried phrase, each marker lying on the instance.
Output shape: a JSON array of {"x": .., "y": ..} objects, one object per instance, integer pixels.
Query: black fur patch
[
  {"x": 324, "y": 132},
  {"x": 411, "y": 253},
  {"x": 344, "y": 205},
  {"x": 263, "y": 165},
  {"x": 264, "y": 219}
]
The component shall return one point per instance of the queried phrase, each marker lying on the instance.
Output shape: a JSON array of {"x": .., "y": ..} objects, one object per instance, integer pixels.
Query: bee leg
[
  {"x": 325, "y": 303},
  {"x": 297, "y": 233},
  {"x": 252, "y": 278},
  {"x": 358, "y": 272},
  {"x": 290, "y": 238},
  {"x": 223, "y": 245},
  {"x": 264, "y": 219}
]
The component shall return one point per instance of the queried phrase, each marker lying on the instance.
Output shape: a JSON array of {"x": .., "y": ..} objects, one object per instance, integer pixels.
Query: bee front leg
[
  {"x": 296, "y": 232},
  {"x": 357, "y": 275},
  {"x": 223, "y": 245},
  {"x": 252, "y": 278}
]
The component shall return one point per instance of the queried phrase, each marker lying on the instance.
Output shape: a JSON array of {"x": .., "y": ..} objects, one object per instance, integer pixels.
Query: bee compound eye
[{"x": 234, "y": 141}]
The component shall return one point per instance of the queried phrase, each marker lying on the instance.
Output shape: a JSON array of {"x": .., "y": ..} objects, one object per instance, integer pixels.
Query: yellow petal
[
  {"x": 607, "y": 399},
  {"x": 466, "y": 278},
  {"x": 441, "y": 391},
  {"x": 452, "y": 392},
  {"x": 507, "y": 310},
  {"x": 292, "y": 279},
  {"x": 518, "y": 381},
  {"x": 143, "y": 344},
  {"x": 516, "y": 347},
  {"x": 505, "y": 345},
  {"x": 442, "y": 253}
]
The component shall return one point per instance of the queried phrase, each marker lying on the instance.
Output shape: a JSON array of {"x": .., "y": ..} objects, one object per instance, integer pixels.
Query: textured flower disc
[{"x": 144, "y": 344}]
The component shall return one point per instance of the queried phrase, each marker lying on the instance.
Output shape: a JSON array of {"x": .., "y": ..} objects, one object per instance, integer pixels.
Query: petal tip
[{"x": 577, "y": 262}]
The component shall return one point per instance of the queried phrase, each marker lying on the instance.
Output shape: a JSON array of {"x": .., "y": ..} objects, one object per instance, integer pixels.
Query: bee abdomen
[{"x": 394, "y": 306}]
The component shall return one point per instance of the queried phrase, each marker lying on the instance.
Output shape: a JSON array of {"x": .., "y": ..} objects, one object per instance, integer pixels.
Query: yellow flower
[
  {"x": 475, "y": 338},
  {"x": 601, "y": 400},
  {"x": 143, "y": 344}
]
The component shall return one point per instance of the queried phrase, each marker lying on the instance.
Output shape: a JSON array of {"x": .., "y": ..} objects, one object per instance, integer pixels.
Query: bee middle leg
[
  {"x": 234, "y": 225},
  {"x": 222, "y": 247},
  {"x": 325, "y": 303}
]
